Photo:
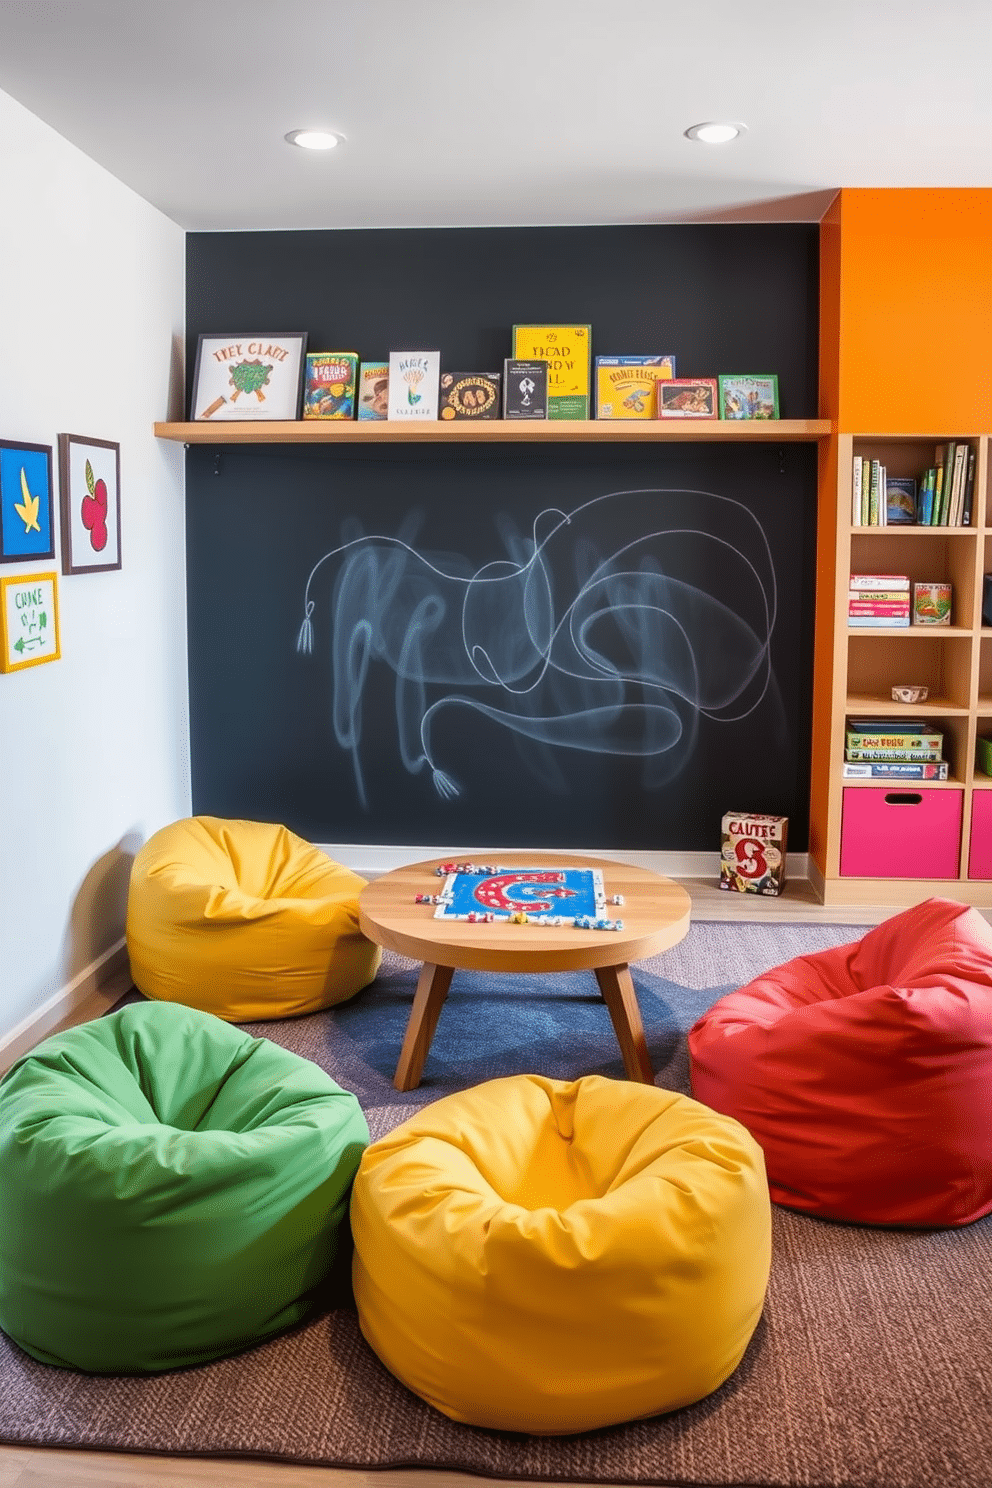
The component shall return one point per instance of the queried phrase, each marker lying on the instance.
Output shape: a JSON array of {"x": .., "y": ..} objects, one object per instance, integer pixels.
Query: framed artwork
[
  {"x": 29, "y": 620},
  {"x": 249, "y": 376},
  {"x": 26, "y": 504},
  {"x": 749, "y": 396},
  {"x": 90, "y": 504}
]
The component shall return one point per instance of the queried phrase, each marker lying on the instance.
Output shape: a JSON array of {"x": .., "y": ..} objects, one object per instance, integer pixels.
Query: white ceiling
[{"x": 509, "y": 112}]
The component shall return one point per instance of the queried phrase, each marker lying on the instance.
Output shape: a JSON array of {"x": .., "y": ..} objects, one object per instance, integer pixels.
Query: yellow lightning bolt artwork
[{"x": 28, "y": 513}]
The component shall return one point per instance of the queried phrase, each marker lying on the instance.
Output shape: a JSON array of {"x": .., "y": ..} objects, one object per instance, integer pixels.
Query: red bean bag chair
[{"x": 865, "y": 1071}]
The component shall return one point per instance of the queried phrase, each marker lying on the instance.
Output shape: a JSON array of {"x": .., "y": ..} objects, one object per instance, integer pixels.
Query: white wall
[{"x": 94, "y": 751}]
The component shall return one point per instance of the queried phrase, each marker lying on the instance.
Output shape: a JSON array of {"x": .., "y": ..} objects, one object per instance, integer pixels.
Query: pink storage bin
[
  {"x": 980, "y": 851},
  {"x": 898, "y": 832}
]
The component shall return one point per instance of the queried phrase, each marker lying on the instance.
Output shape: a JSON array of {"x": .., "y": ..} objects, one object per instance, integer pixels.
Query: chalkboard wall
[{"x": 518, "y": 645}]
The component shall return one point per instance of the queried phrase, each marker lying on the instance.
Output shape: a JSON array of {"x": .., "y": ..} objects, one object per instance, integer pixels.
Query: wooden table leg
[
  {"x": 428, "y": 1000},
  {"x": 618, "y": 994}
]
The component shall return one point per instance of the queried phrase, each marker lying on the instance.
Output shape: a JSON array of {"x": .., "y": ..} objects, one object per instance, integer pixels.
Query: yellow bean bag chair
[
  {"x": 244, "y": 920},
  {"x": 549, "y": 1256}
]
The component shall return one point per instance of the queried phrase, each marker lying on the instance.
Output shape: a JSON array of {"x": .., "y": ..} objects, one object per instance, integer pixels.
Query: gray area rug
[{"x": 871, "y": 1366}]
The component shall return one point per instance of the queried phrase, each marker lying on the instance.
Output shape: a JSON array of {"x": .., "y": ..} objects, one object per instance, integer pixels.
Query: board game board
[{"x": 545, "y": 896}]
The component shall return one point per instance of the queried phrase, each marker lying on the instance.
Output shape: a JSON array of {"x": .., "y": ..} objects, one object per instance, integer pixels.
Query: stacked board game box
[
  {"x": 893, "y": 749},
  {"x": 878, "y": 600}
]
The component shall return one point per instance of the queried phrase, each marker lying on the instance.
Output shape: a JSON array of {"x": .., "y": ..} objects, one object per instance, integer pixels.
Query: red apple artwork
[{"x": 93, "y": 510}]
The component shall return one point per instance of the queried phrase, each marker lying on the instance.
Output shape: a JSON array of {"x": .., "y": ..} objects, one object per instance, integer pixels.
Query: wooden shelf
[
  {"x": 913, "y": 529},
  {"x": 874, "y": 782},
  {"x": 514, "y": 431},
  {"x": 932, "y": 632},
  {"x": 872, "y": 706}
]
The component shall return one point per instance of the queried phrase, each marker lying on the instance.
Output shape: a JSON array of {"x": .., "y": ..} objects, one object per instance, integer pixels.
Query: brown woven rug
[{"x": 871, "y": 1367}]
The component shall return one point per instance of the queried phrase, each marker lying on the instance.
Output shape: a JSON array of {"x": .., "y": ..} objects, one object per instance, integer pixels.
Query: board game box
[
  {"x": 567, "y": 349},
  {"x": 752, "y": 852},
  {"x": 414, "y": 377},
  {"x": 525, "y": 389},
  {"x": 373, "y": 390},
  {"x": 543, "y": 896},
  {"x": 466, "y": 395},
  {"x": 329, "y": 389},
  {"x": 687, "y": 397},
  {"x": 626, "y": 386}
]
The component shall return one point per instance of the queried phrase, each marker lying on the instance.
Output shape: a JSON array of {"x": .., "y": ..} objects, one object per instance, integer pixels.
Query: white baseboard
[
  {"x": 373, "y": 861},
  {"x": 91, "y": 992}
]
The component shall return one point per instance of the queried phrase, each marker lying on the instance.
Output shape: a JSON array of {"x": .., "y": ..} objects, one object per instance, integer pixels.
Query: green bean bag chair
[{"x": 172, "y": 1190}]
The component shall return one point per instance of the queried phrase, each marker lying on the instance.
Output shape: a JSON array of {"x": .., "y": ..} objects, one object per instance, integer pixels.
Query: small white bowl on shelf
[{"x": 910, "y": 694}]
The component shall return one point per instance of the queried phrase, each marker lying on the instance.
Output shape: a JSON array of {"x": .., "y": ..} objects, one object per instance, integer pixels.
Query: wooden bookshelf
[
  {"x": 514, "y": 431},
  {"x": 955, "y": 661}
]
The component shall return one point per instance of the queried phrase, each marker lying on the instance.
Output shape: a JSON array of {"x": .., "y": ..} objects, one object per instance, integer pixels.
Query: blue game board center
[{"x": 570, "y": 893}]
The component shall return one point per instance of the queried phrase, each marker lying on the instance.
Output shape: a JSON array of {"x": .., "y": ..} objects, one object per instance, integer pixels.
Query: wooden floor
[{"x": 32, "y": 1467}]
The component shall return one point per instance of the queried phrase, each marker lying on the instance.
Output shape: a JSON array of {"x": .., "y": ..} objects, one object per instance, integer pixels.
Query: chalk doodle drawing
[{"x": 616, "y": 652}]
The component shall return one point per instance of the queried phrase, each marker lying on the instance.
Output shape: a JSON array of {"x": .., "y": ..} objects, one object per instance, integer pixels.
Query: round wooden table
[{"x": 655, "y": 915}]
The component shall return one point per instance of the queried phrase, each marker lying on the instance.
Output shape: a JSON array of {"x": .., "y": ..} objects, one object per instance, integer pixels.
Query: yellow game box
[
  {"x": 626, "y": 386},
  {"x": 568, "y": 353}
]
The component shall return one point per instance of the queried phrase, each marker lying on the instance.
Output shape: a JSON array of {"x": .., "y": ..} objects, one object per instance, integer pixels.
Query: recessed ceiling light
[
  {"x": 714, "y": 134},
  {"x": 313, "y": 139}
]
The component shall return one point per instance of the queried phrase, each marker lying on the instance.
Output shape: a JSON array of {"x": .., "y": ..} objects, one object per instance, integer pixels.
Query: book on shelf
[
  {"x": 857, "y": 466},
  {"x": 900, "y": 500},
  {"x": 413, "y": 384},
  {"x": 953, "y": 477},
  {"x": 525, "y": 389},
  {"x": 946, "y": 459},
  {"x": 872, "y": 725},
  {"x": 373, "y": 390},
  {"x": 896, "y": 770},
  {"x": 928, "y": 753},
  {"x": 924, "y": 738},
  {"x": 867, "y": 622},
  {"x": 878, "y": 602},
  {"x": 958, "y": 485},
  {"x": 951, "y": 480},
  {"x": 879, "y": 581},
  {"x": 969, "y": 490},
  {"x": 567, "y": 349},
  {"x": 469, "y": 395},
  {"x": 876, "y": 484},
  {"x": 626, "y": 386},
  {"x": 939, "y": 494},
  {"x": 329, "y": 385}
]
